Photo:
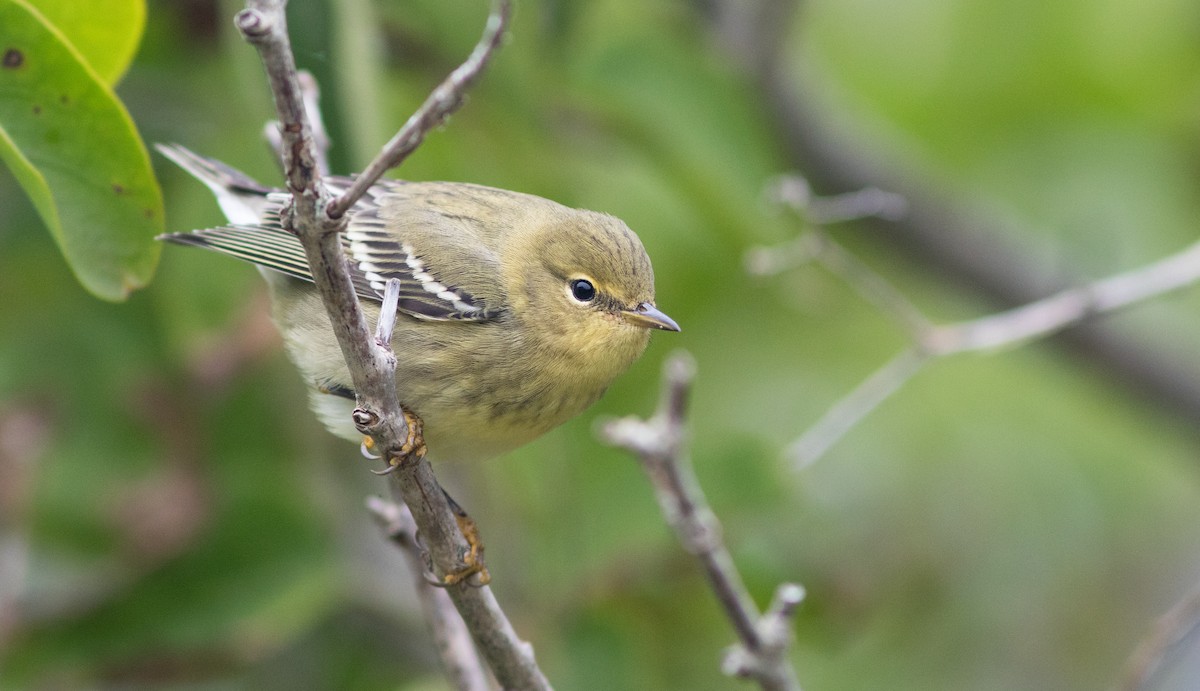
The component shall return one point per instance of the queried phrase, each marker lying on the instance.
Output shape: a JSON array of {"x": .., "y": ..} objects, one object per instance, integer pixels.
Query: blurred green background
[{"x": 174, "y": 518}]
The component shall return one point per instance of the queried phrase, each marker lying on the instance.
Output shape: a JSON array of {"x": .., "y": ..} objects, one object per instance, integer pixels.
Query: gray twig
[
  {"x": 1069, "y": 307},
  {"x": 873, "y": 287},
  {"x": 450, "y": 634},
  {"x": 1035, "y": 320},
  {"x": 310, "y": 94},
  {"x": 387, "y": 313},
  {"x": 853, "y": 407},
  {"x": 1172, "y": 627},
  {"x": 660, "y": 445},
  {"x": 441, "y": 103},
  {"x": 943, "y": 234},
  {"x": 793, "y": 190},
  {"x": 372, "y": 366},
  {"x": 774, "y": 630}
]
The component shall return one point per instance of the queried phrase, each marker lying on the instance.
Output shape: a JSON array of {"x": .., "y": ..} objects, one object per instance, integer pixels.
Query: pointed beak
[{"x": 648, "y": 316}]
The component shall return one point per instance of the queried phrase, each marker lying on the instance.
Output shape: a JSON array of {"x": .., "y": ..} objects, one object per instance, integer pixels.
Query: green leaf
[
  {"x": 105, "y": 32},
  {"x": 74, "y": 149}
]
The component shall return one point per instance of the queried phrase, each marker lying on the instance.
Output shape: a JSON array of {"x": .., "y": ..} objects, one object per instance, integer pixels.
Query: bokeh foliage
[{"x": 173, "y": 516}]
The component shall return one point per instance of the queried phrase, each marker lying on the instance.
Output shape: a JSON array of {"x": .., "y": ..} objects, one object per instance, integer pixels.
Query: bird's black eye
[{"x": 583, "y": 290}]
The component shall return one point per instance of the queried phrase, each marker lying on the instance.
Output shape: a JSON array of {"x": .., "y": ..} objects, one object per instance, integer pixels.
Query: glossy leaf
[
  {"x": 74, "y": 149},
  {"x": 105, "y": 32}
]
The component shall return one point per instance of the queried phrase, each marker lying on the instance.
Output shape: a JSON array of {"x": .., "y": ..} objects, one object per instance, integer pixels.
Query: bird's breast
[
  {"x": 485, "y": 404},
  {"x": 480, "y": 388}
]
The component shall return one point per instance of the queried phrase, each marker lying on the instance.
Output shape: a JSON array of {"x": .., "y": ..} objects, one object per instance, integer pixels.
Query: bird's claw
[{"x": 368, "y": 443}]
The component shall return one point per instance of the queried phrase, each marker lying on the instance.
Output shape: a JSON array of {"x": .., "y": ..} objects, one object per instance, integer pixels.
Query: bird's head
[{"x": 591, "y": 288}]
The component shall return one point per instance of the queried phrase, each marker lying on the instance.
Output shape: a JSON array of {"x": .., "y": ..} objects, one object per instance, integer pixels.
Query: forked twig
[
  {"x": 929, "y": 340},
  {"x": 660, "y": 445}
]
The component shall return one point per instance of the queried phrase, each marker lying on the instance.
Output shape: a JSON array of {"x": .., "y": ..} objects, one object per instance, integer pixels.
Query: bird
[{"x": 515, "y": 315}]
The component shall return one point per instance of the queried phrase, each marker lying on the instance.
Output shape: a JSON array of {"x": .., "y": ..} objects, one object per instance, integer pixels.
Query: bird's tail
[{"x": 242, "y": 198}]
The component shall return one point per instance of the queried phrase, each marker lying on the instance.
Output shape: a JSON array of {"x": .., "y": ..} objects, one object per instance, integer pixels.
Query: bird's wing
[
  {"x": 375, "y": 253},
  {"x": 445, "y": 271}
]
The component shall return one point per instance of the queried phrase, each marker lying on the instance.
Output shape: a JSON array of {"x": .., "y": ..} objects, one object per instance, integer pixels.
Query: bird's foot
[
  {"x": 413, "y": 447},
  {"x": 414, "y": 442},
  {"x": 473, "y": 559}
]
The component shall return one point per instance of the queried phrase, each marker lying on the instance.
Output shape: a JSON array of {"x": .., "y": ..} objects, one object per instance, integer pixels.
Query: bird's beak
[{"x": 648, "y": 316}]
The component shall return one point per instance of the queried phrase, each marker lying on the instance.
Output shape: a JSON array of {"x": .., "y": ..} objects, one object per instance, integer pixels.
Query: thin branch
[
  {"x": 792, "y": 190},
  {"x": 660, "y": 445},
  {"x": 774, "y": 632},
  {"x": 387, "y": 313},
  {"x": 944, "y": 234},
  {"x": 1172, "y": 627},
  {"x": 853, "y": 407},
  {"x": 455, "y": 647},
  {"x": 873, "y": 287},
  {"x": 372, "y": 366},
  {"x": 1069, "y": 307},
  {"x": 441, "y": 103},
  {"x": 1031, "y": 321},
  {"x": 870, "y": 202},
  {"x": 310, "y": 94}
]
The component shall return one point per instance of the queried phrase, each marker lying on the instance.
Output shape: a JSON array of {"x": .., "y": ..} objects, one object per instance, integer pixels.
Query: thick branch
[
  {"x": 372, "y": 365},
  {"x": 264, "y": 25},
  {"x": 660, "y": 445}
]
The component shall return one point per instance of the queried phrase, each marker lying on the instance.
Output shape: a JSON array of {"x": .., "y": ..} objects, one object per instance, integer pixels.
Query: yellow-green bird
[{"x": 516, "y": 312}]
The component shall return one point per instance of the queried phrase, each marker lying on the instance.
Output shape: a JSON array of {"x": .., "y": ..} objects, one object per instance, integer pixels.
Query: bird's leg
[{"x": 473, "y": 559}]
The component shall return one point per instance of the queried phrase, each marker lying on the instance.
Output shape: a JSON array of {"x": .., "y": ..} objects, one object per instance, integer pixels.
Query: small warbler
[{"x": 515, "y": 314}]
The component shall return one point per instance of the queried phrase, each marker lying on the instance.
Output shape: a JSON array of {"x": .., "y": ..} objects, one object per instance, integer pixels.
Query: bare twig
[
  {"x": 441, "y": 103},
  {"x": 816, "y": 245},
  {"x": 660, "y": 444},
  {"x": 310, "y": 94},
  {"x": 387, "y": 313},
  {"x": 950, "y": 237},
  {"x": 1172, "y": 627},
  {"x": 853, "y": 407},
  {"x": 453, "y": 640},
  {"x": 1034, "y": 320},
  {"x": 372, "y": 365},
  {"x": 775, "y": 633},
  {"x": 1071, "y": 306},
  {"x": 793, "y": 191}
]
